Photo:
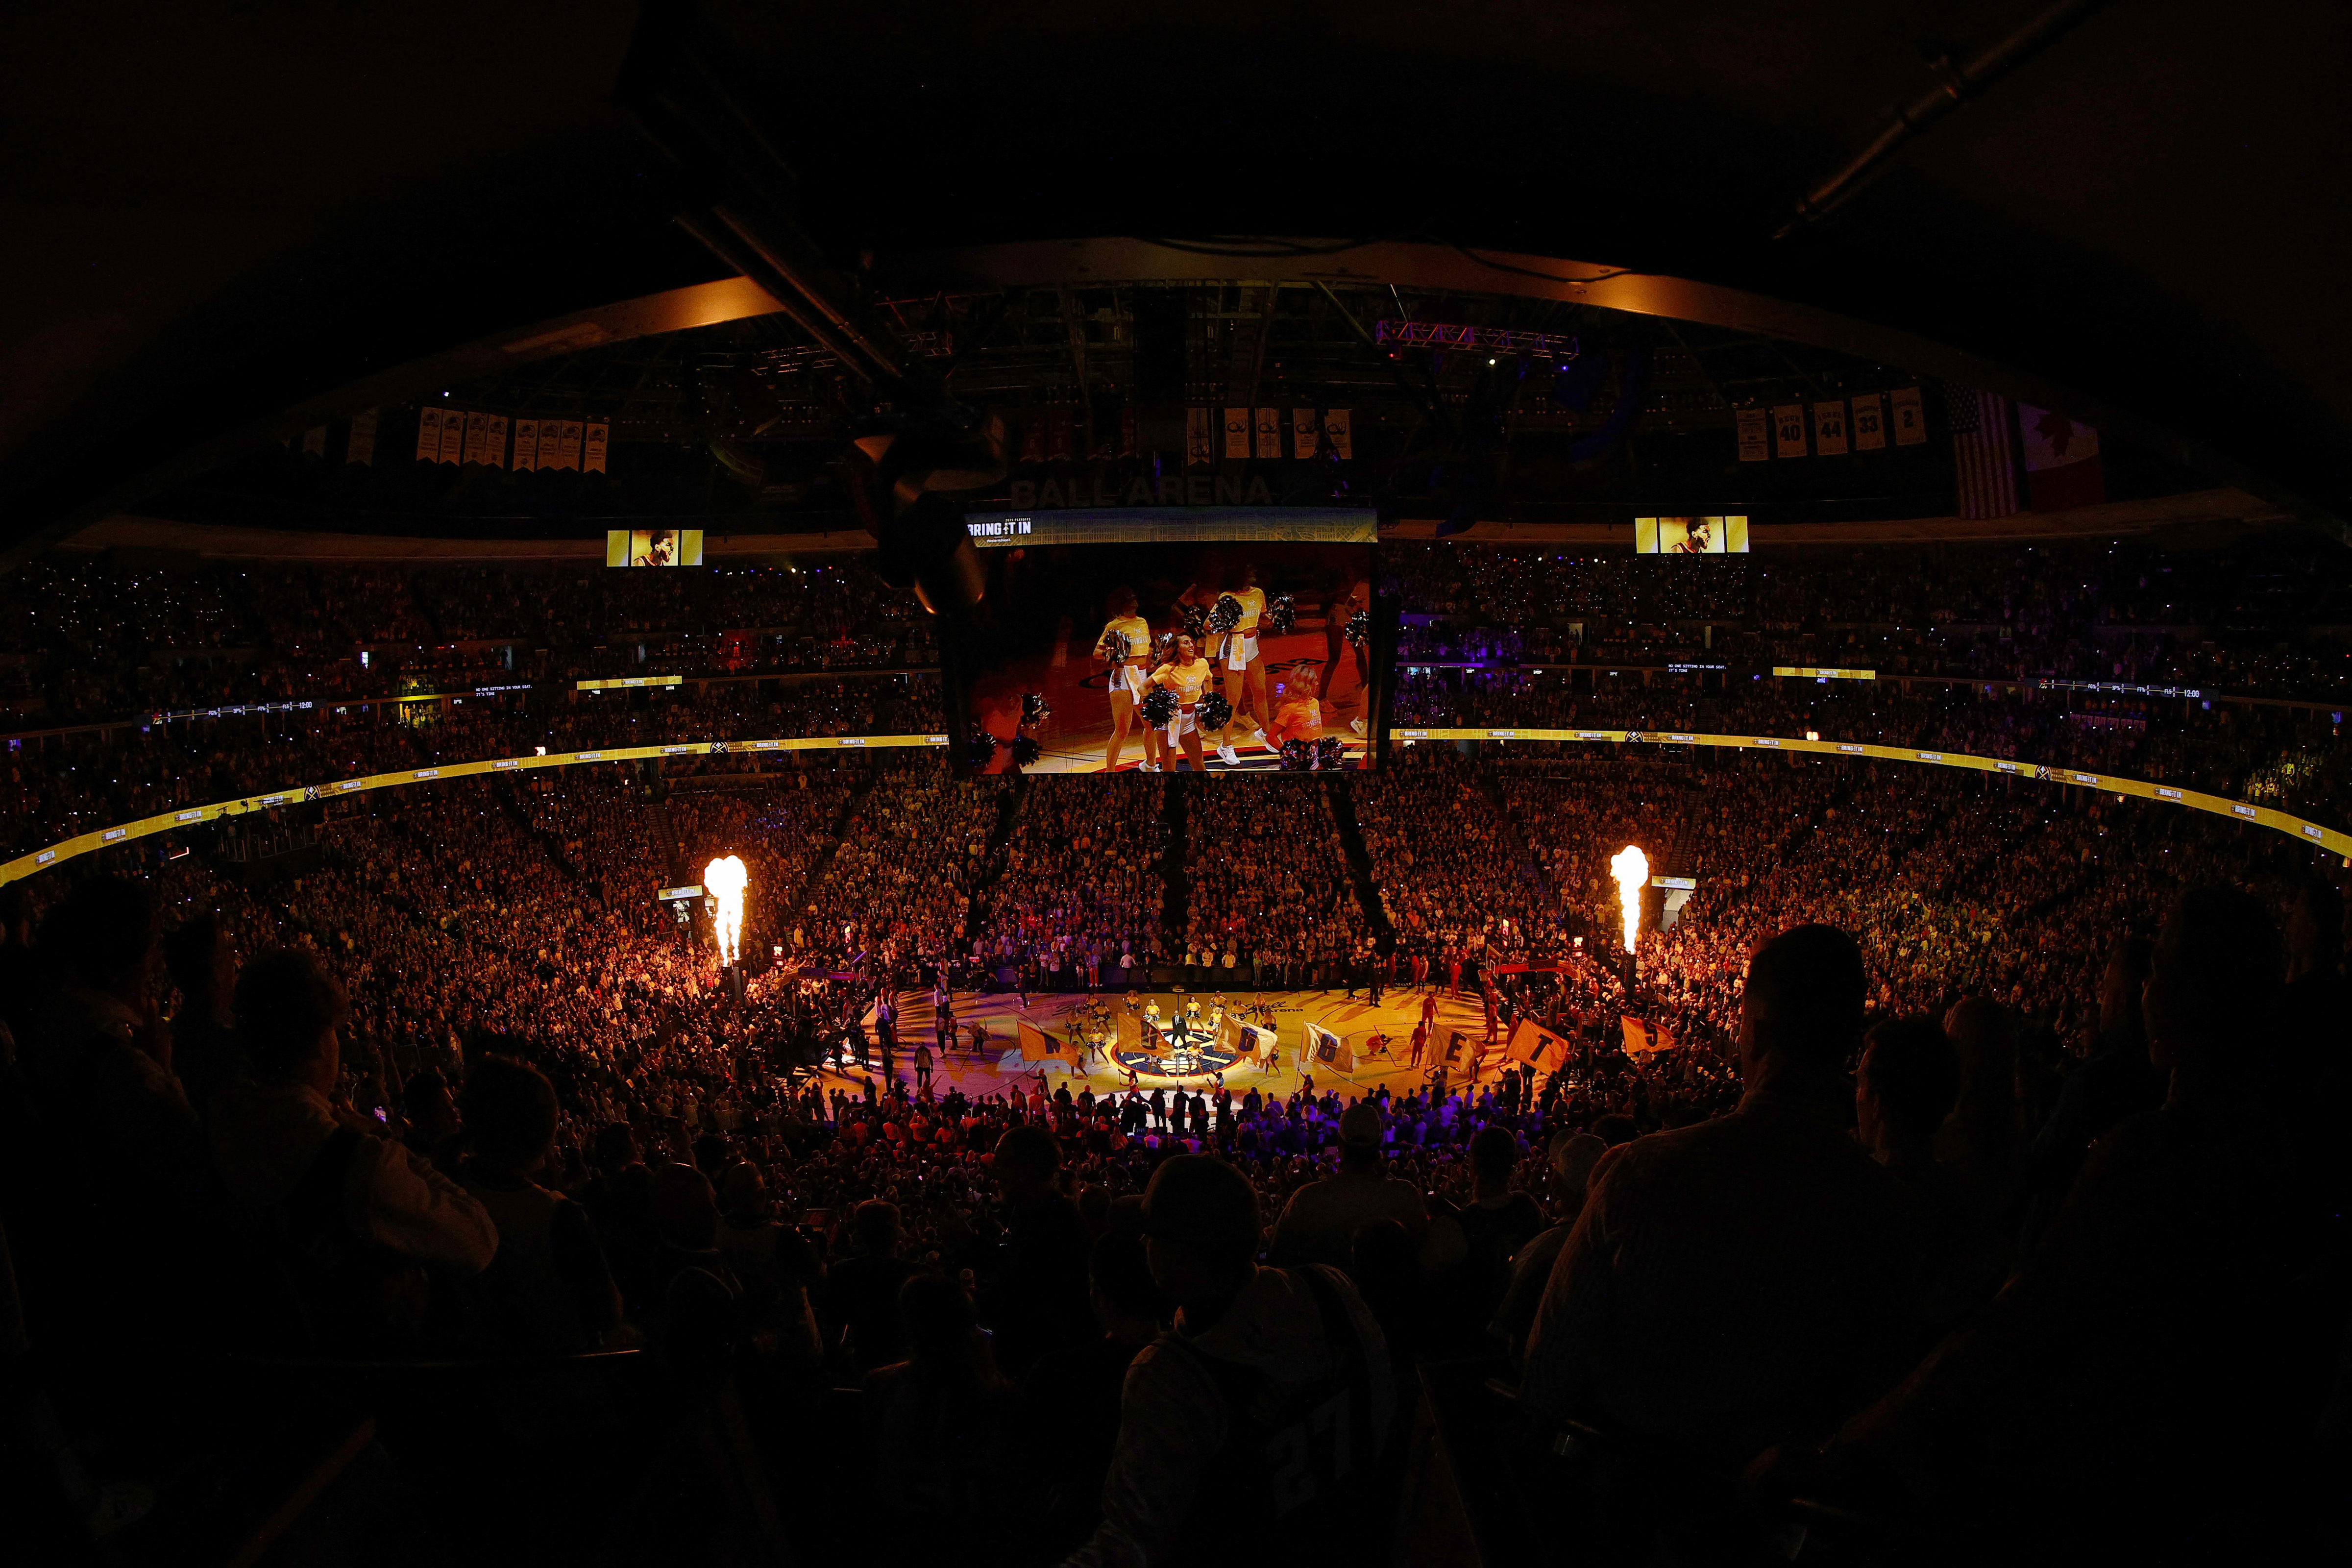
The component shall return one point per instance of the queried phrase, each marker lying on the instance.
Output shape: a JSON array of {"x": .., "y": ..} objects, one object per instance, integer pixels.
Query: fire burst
[
  {"x": 1632, "y": 869},
  {"x": 725, "y": 878}
]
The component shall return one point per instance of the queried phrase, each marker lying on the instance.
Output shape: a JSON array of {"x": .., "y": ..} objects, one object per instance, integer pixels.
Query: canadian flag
[{"x": 2062, "y": 460}]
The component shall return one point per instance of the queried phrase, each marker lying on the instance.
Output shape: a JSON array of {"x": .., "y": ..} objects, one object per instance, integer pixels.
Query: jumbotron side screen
[{"x": 1187, "y": 640}]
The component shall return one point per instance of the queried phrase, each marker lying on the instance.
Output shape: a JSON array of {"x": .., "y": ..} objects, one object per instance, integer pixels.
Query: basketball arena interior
[{"x": 1018, "y": 785}]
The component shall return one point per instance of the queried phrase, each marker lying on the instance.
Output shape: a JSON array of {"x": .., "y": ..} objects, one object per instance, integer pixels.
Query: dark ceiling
[{"x": 208, "y": 220}]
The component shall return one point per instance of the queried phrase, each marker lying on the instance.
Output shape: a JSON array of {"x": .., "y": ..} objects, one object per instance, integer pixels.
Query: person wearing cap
[
  {"x": 1253, "y": 1430},
  {"x": 1320, "y": 1223}
]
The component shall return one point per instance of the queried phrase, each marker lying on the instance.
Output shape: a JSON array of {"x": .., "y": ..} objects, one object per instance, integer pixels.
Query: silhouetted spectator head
[
  {"x": 288, "y": 1010},
  {"x": 510, "y": 1112},
  {"x": 1573, "y": 1155},
  {"x": 1909, "y": 1081},
  {"x": 200, "y": 960},
  {"x": 616, "y": 1147},
  {"x": 2315, "y": 927},
  {"x": 1201, "y": 1224},
  {"x": 1026, "y": 1159},
  {"x": 1803, "y": 1007},
  {"x": 1120, "y": 1275},
  {"x": 2121, "y": 979},
  {"x": 1493, "y": 1152},
  {"x": 16, "y": 915},
  {"x": 104, "y": 934},
  {"x": 874, "y": 1226},
  {"x": 1984, "y": 1033},
  {"x": 2219, "y": 965},
  {"x": 686, "y": 1212},
  {"x": 942, "y": 1331},
  {"x": 709, "y": 1153},
  {"x": 429, "y": 1108},
  {"x": 743, "y": 1193},
  {"x": 1616, "y": 1127}
]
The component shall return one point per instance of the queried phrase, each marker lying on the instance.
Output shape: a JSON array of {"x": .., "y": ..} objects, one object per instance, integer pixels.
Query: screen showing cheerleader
[{"x": 1195, "y": 656}]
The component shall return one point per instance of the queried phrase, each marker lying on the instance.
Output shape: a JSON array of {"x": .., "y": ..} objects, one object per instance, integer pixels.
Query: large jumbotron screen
[{"x": 1194, "y": 639}]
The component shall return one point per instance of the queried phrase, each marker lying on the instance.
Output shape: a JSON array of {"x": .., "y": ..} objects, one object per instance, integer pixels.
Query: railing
[
  {"x": 338, "y": 789},
  {"x": 2333, "y": 840}
]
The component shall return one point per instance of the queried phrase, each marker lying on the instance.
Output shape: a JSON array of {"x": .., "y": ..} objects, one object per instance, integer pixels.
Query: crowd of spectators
[
  {"x": 1269, "y": 897},
  {"x": 1081, "y": 900},
  {"x": 91, "y": 640}
]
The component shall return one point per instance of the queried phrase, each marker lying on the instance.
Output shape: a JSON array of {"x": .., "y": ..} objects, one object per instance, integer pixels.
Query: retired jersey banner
[
  {"x": 1905, "y": 415},
  {"x": 360, "y": 447},
  {"x": 1869, "y": 422},
  {"x": 1237, "y": 432},
  {"x": 1269, "y": 432},
  {"x": 1200, "y": 439},
  {"x": 526, "y": 456},
  {"x": 1305, "y": 432},
  {"x": 1829, "y": 429},
  {"x": 1336, "y": 434},
  {"x": 591, "y": 452},
  {"x": 1789, "y": 430},
  {"x": 1755, "y": 443}
]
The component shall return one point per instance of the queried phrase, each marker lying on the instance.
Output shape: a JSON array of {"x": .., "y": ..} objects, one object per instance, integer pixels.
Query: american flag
[{"x": 1984, "y": 451}]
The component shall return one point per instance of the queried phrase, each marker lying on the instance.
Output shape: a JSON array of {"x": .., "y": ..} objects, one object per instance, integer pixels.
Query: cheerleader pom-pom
[
  {"x": 980, "y": 748},
  {"x": 1331, "y": 751},
  {"x": 1196, "y": 620},
  {"x": 1359, "y": 629},
  {"x": 1026, "y": 750},
  {"x": 1033, "y": 707},
  {"x": 1296, "y": 757},
  {"x": 1216, "y": 712},
  {"x": 1225, "y": 614},
  {"x": 1159, "y": 706},
  {"x": 1163, "y": 649},
  {"x": 1281, "y": 614}
]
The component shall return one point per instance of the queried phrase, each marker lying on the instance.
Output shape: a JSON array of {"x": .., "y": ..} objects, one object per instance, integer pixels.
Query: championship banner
[
  {"x": 477, "y": 435},
  {"x": 1905, "y": 414},
  {"x": 1829, "y": 429},
  {"x": 549, "y": 430},
  {"x": 360, "y": 447},
  {"x": 1199, "y": 444},
  {"x": 1305, "y": 432},
  {"x": 494, "y": 449},
  {"x": 592, "y": 454},
  {"x": 567, "y": 447},
  {"x": 314, "y": 441},
  {"x": 1538, "y": 1046},
  {"x": 526, "y": 445},
  {"x": 453, "y": 437},
  {"x": 1237, "y": 432},
  {"x": 1269, "y": 433},
  {"x": 1755, "y": 444},
  {"x": 1789, "y": 430},
  {"x": 1335, "y": 435},
  {"x": 1869, "y": 423},
  {"x": 428, "y": 435}
]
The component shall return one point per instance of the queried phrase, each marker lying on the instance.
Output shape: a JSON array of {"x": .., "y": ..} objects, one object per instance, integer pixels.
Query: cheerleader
[
  {"x": 1185, "y": 676},
  {"x": 1125, "y": 646},
  {"x": 1237, "y": 655},
  {"x": 1354, "y": 598}
]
